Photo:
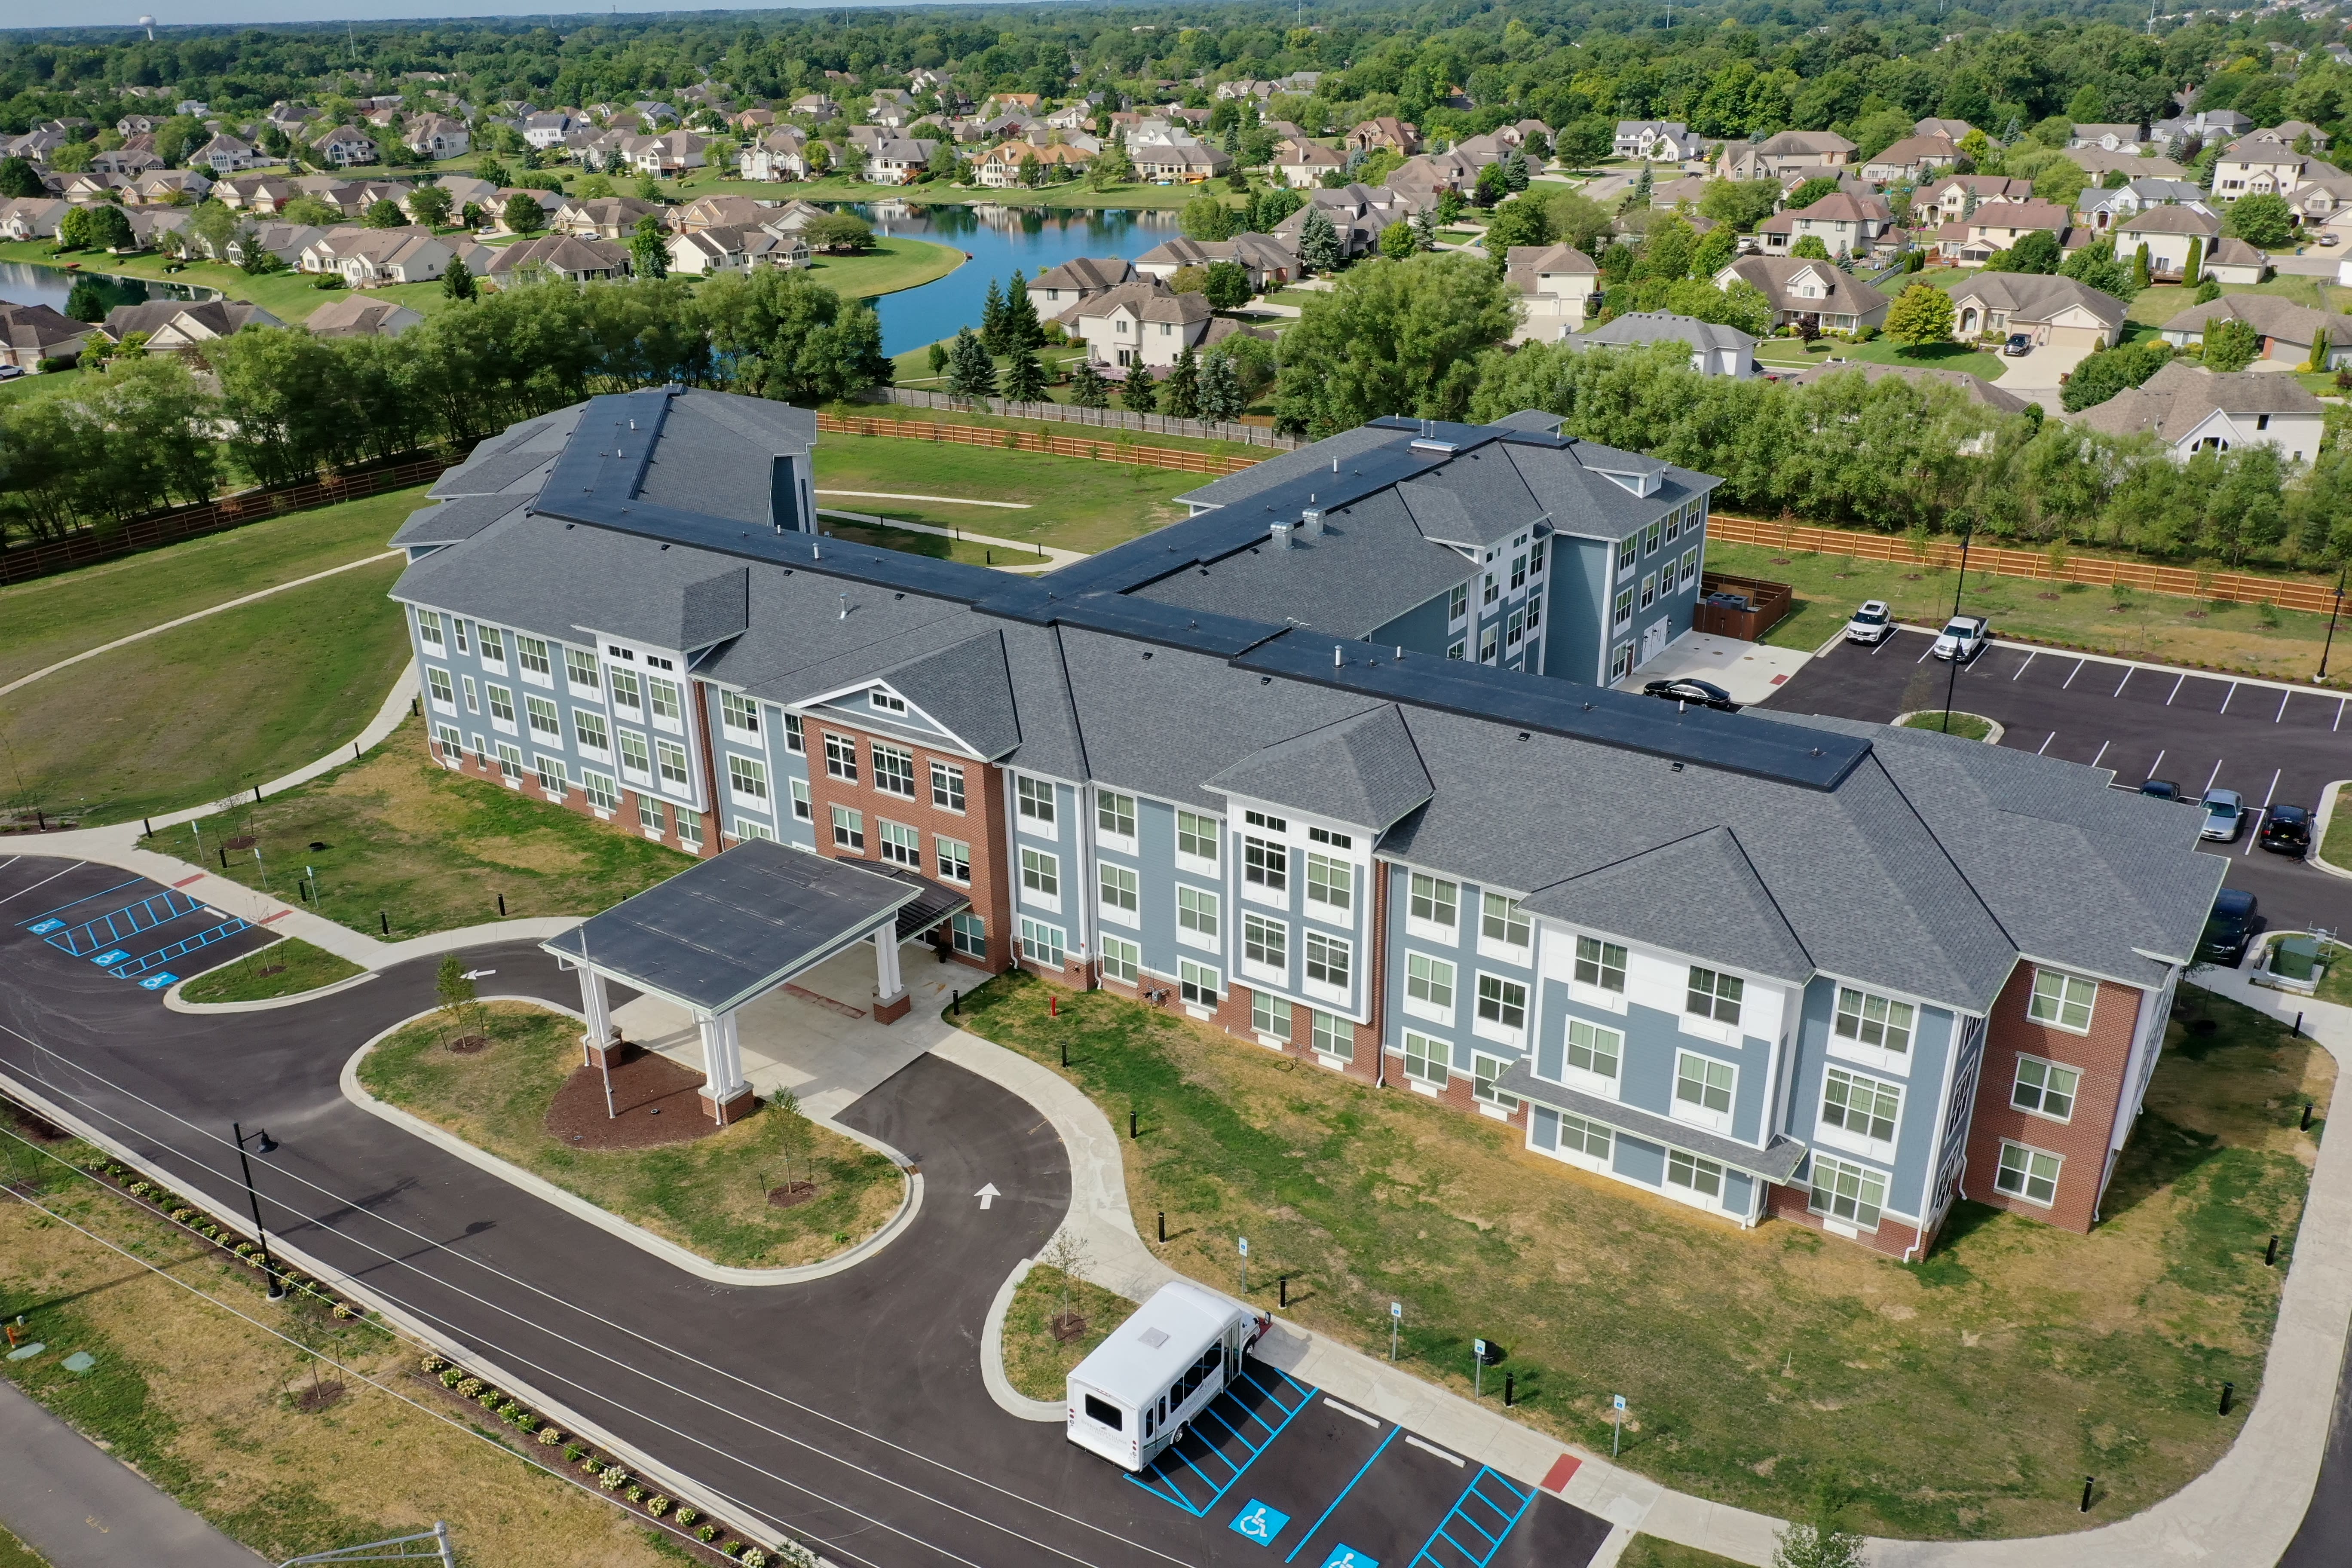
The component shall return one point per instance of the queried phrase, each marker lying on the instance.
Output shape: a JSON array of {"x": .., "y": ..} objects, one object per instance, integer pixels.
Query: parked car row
[
  {"x": 2285, "y": 830},
  {"x": 1962, "y": 639}
]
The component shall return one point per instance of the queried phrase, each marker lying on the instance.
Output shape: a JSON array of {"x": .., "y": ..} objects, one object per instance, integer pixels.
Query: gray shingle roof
[
  {"x": 1776, "y": 1162},
  {"x": 455, "y": 519},
  {"x": 966, "y": 687},
  {"x": 1362, "y": 770},
  {"x": 1730, "y": 917}
]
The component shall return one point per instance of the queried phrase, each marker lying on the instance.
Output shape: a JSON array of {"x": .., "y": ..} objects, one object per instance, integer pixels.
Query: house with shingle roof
[
  {"x": 2195, "y": 409},
  {"x": 2287, "y": 330},
  {"x": 1559, "y": 289},
  {"x": 1807, "y": 292},
  {"x": 1140, "y": 323},
  {"x": 31, "y": 335}
]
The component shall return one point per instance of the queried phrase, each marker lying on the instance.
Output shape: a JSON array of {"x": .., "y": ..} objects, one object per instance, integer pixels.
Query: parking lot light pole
[
  {"x": 1952, "y": 685},
  {"x": 2333, "y": 611},
  {"x": 263, "y": 1143}
]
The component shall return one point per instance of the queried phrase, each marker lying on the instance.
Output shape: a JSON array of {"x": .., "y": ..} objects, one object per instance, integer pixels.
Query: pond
[
  {"x": 31, "y": 283},
  {"x": 998, "y": 240}
]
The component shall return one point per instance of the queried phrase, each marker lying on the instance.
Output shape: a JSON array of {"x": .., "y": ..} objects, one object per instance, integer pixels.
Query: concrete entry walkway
[{"x": 1750, "y": 671}]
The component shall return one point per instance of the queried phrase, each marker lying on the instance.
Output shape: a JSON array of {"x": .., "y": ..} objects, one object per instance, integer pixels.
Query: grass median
[
  {"x": 1038, "y": 1359},
  {"x": 710, "y": 1195},
  {"x": 1076, "y": 503},
  {"x": 191, "y": 1388},
  {"x": 396, "y": 839},
  {"x": 1760, "y": 1366},
  {"x": 286, "y": 968}
]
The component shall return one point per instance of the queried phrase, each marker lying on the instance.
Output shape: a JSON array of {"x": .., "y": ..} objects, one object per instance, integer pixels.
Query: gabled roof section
[
  {"x": 452, "y": 520},
  {"x": 966, "y": 689},
  {"x": 714, "y": 609},
  {"x": 1364, "y": 770},
  {"x": 1699, "y": 895}
]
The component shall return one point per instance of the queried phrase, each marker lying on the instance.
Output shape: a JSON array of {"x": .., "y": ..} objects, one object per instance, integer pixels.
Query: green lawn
[
  {"x": 913, "y": 543},
  {"x": 1759, "y": 1364},
  {"x": 1649, "y": 1552},
  {"x": 1931, "y": 356},
  {"x": 405, "y": 836},
  {"x": 289, "y": 296},
  {"x": 2156, "y": 306},
  {"x": 1107, "y": 438},
  {"x": 1035, "y": 1361},
  {"x": 1967, "y": 726},
  {"x": 1077, "y": 504},
  {"x": 2336, "y": 847},
  {"x": 52, "y": 619},
  {"x": 42, "y": 386},
  {"x": 14, "y": 1553},
  {"x": 709, "y": 1195},
  {"x": 890, "y": 266},
  {"x": 2160, "y": 626},
  {"x": 201, "y": 712},
  {"x": 284, "y": 968}
]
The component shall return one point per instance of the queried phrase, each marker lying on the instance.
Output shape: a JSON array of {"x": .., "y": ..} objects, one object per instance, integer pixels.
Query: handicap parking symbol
[
  {"x": 1348, "y": 1557},
  {"x": 111, "y": 955},
  {"x": 157, "y": 981},
  {"x": 43, "y": 928},
  {"x": 1260, "y": 1523}
]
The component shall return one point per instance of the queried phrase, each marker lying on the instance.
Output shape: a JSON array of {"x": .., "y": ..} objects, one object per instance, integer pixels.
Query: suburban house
[
  {"x": 33, "y": 336},
  {"x": 2194, "y": 409},
  {"x": 781, "y": 153},
  {"x": 2050, "y": 309},
  {"x": 603, "y": 217},
  {"x": 567, "y": 257},
  {"x": 2105, "y": 208},
  {"x": 1658, "y": 142},
  {"x": 896, "y": 160},
  {"x": 547, "y": 127},
  {"x": 174, "y": 326},
  {"x": 1846, "y": 224},
  {"x": 1714, "y": 350},
  {"x": 665, "y": 156},
  {"x": 222, "y": 155},
  {"x": 2287, "y": 330},
  {"x": 1358, "y": 213},
  {"x": 370, "y": 258},
  {"x": 816, "y": 106},
  {"x": 1140, "y": 323},
  {"x": 2257, "y": 165},
  {"x": 713, "y": 212},
  {"x": 1080, "y": 278},
  {"x": 345, "y": 145},
  {"x": 1383, "y": 133},
  {"x": 1268, "y": 261},
  {"x": 1921, "y": 968},
  {"x": 357, "y": 316},
  {"x": 1007, "y": 163},
  {"x": 1977, "y": 388},
  {"x": 286, "y": 241},
  {"x": 1953, "y": 130},
  {"x": 1997, "y": 226},
  {"x": 1302, "y": 163},
  {"x": 1559, "y": 288},
  {"x": 2206, "y": 125},
  {"x": 1806, "y": 293},
  {"x": 32, "y": 217},
  {"x": 437, "y": 136},
  {"x": 1913, "y": 158},
  {"x": 2107, "y": 138},
  {"x": 2169, "y": 231},
  {"x": 701, "y": 252},
  {"x": 1176, "y": 162},
  {"x": 1791, "y": 156}
]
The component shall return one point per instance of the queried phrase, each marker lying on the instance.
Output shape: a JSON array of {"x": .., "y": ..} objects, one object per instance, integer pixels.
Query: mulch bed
[
  {"x": 791, "y": 1195},
  {"x": 317, "y": 1397},
  {"x": 470, "y": 1044},
  {"x": 656, "y": 1099},
  {"x": 1067, "y": 1326}
]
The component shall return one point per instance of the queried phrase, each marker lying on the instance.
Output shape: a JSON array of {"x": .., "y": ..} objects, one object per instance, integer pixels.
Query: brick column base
[
  {"x": 891, "y": 1011},
  {"x": 607, "y": 1054},
  {"x": 734, "y": 1110}
]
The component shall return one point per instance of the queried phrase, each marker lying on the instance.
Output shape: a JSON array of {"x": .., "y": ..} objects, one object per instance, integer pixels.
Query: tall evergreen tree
[
  {"x": 457, "y": 283},
  {"x": 649, "y": 251},
  {"x": 972, "y": 372},
  {"x": 1088, "y": 387},
  {"x": 1141, "y": 394},
  {"x": 1318, "y": 243},
  {"x": 1221, "y": 389},
  {"x": 1024, "y": 378},
  {"x": 1021, "y": 329},
  {"x": 1180, "y": 396},
  {"x": 991, "y": 319}
]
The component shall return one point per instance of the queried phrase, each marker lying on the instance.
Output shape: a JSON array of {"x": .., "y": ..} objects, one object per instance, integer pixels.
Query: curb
[
  {"x": 1903, "y": 722},
  {"x": 178, "y": 1004},
  {"x": 670, "y": 1252},
  {"x": 1009, "y": 1399},
  {"x": 2330, "y": 797}
]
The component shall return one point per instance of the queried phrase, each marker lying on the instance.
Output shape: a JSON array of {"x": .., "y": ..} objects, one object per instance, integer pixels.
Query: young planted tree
[
  {"x": 457, "y": 283},
  {"x": 454, "y": 991},
  {"x": 795, "y": 1139},
  {"x": 1180, "y": 396},
  {"x": 1141, "y": 394},
  {"x": 2231, "y": 345},
  {"x": 2192, "y": 270},
  {"x": 1024, "y": 377},
  {"x": 648, "y": 251},
  {"x": 1088, "y": 387},
  {"x": 1397, "y": 242},
  {"x": 1067, "y": 1256}
]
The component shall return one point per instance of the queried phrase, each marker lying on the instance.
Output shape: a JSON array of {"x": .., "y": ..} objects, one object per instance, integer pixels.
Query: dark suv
[
  {"x": 2228, "y": 929},
  {"x": 2286, "y": 830}
]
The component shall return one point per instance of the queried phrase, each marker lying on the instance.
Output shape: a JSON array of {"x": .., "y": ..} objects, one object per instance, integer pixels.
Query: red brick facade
[{"x": 2081, "y": 1141}]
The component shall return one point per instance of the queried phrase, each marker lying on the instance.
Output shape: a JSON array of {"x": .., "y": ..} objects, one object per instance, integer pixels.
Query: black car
[
  {"x": 1707, "y": 694},
  {"x": 2286, "y": 830},
  {"x": 2228, "y": 929},
  {"x": 2162, "y": 789}
]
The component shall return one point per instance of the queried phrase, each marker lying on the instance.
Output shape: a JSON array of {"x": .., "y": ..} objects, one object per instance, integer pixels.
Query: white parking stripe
[
  {"x": 2339, "y": 716},
  {"x": 2073, "y": 672},
  {"x": 2045, "y": 745},
  {"x": 2176, "y": 688},
  {"x": 2126, "y": 680},
  {"x": 1351, "y": 1412},
  {"x": 2028, "y": 664},
  {"x": 2156, "y": 765},
  {"x": 1923, "y": 657},
  {"x": 2226, "y": 696},
  {"x": 1453, "y": 1460},
  {"x": 2254, "y": 829},
  {"x": 2214, "y": 775},
  {"x": 2282, "y": 712},
  {"x": 2103, "y": 751}
]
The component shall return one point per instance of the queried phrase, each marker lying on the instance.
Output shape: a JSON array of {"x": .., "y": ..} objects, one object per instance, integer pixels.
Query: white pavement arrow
[
  {"x": 480, "y": 973},
  {"x": 988, "y": 1195}
]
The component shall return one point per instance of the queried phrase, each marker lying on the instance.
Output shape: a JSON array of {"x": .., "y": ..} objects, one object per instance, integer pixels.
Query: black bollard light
[
  {"x": 2270, "y": 1255},
  {"x": 2307, "y": 1116},
  {"x": 2088, "y": 1482},
  {"x": 385, "y": 916},
  {"x": 1282, "y": 1294},
  {"x": 1510, "y": 1389},
  {"x": 1131, "y": 1133},
  {"x": 502, "y": 905},
  {"x": 955, "y": 1003},
  {"x": 1163, "y": 1227},
  {"x": 2227, "y": 1390}
]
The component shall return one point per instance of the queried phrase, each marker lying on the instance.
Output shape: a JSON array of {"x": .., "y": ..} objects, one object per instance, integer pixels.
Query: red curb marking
[
  {"x": 185, "y": 881},
  {"x": 278, "y": 916},
  {"x": 1563, "y": 1470}
]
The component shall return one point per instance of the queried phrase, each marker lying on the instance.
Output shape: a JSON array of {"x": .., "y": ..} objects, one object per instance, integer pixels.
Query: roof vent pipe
[
  {"x": 1281, "y": 535},
  {"x": 1338, "y": 658},
  {"x": 1310, "y": 521},
  {"x": 845, "y": 608}
]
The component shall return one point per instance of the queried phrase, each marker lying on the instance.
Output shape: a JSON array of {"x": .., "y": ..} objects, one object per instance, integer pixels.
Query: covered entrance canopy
[{"x": 734, "y": 927}]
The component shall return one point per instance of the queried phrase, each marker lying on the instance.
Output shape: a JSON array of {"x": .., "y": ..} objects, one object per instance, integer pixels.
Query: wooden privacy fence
[
  {"x": 1101, "y": 418},
  {"x": 157, "y": 528},
  {"x": 1035, "y": 441},
  {"x": 2235, "y": 587}
]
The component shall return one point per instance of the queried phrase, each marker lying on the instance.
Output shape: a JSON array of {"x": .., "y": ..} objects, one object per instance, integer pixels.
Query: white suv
[{"x": 1873, "y": 623}]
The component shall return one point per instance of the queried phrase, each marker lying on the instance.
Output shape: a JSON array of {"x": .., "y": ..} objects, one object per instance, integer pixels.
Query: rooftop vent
[
  {"x": 1427, "y": 443},
  {"x": 1310, "y": 521},
  {"x": 1280, "y": 533}
]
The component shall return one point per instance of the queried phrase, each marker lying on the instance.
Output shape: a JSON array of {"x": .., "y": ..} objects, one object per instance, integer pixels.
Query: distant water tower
[{"x": 149, "y": 23}]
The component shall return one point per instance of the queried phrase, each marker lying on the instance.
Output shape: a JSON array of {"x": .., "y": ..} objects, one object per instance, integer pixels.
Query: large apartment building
[{"x": 1329, "y": 766}]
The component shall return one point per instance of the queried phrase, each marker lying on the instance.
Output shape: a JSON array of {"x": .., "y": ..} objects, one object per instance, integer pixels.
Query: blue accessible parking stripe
[
  {"x": 1343, "y": 1494},
  {"x": 1259, "y": 1524},
  {"x": 1470, "y": 1535},
  {"x": 111, "y": 955},
  {"x": 1197, "y": 1464}
]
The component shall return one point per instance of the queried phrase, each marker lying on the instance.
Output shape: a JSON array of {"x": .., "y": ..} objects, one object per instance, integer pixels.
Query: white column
[
  {"x": 888, "y": 986},
  {"x": 722, "y": 1061},
  {"x": 596, "y": 1006}
]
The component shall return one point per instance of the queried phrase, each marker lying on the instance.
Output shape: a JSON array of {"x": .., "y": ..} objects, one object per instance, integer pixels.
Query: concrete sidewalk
[{"x": 79, "y": 1507}]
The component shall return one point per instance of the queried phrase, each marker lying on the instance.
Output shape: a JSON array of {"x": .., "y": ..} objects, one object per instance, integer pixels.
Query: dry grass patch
[
  {"x": 285, "y": 968},
  {"x": 709, "y": 1195},
  {"x": 1037, "y": 1360},
  {"x": 1760, "y": 1366}
]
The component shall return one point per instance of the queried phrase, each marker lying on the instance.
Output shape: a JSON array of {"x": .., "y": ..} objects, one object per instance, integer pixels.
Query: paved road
[
  {"x": 83, "y": 1507},
  {"x": 2200, "y": 731},
  {"x": 850, "y": 1410}
]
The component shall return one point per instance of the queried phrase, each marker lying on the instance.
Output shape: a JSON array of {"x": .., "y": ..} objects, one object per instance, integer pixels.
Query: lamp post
[
  {"x": 1952, "y": 685},
  {"x": 2333, "y": 611},
  {"x": 263, "y": 1143}
]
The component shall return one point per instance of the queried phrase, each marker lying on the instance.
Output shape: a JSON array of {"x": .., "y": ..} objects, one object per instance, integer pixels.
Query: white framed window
[
  {"x": 1330, "y": 882},
  {"x": 1503, "y": 928},
  {"x": 1196, "y": 843},
  {"x": 473, "y": 699},
  {"x": 689, "y": 830},
  {"x": 1713, "y": 995},
  {"x": 1621, "y": 614},
  {"x": 457, "y": 629},
  {"x": 1120, "y": 899},
  {"x": 579, "y": 669},
  {"x": 494, "y": 645},
  {"x": 1457, "y": 648},
  {"x": 803, "y": 808},
  {"x": 1196, "y": 916},
  {"x": 1628, "y": 551},
  {"x": 894, "y": 771},
  {"x": 544, "y": 717},
  {"x": 947, "y": 786},
  {"x": 1574, "y": 1138},
  {"x": 795, "y": 735},
  {"x": 1325, "y": 836},
  {"x": 1592, "y": 1050},
  {"x": 1330, "y": 962},
  {"x": 748, "y": 779},
  {"x": 501, "y": 705},
  {"x": 1270, "y": 1015},
  {"x": 1265, "y": 944},
  {"x": 531, "y": 654},
  {"x": 428, "y": 628},
  {"x": 436, "y": 680},
  {"x": 1457, "y": 604},
  {"x": 1042, "y": 944},
  {"x": 738, "y": 713},
  {"x": 2063, "y": 1001},
  {"x": 602, "y": 793},
  {"x": 1620, "y": 659},
  {"x": 1518, "y": 571},
  {"x": 901, "y": 845},
  {"x": 1704, "y": 1087},
  {"x": 672, "y": 758},
  {"x": 588, "y": 728},
  {"x": 1687, "y": 1170},
  {"x": 1121, "y": 960},
  {"x": 1489, "y": 645},
  {"x": 2046, "y": 1089},
  {"x": 1041, "y": 874},
  {"x": 668, "y": 700},
  {"x": 1199, "y": 984},
  {"x": 849, "y": 829},
  {"x": 635, "y": 757},
  {"x": 1432, "y": 907},
  {"x": 883, "y": 701},
  {"x": 625, "y": 690},
  {"x": 1649, "y": 589},
  {"x": 1332, "y": 1036},
  {"x": 1847, "y": 1193},
  {"x": 652, "y": 816},
  {"x": 1690, "y": 567},
  {"x": 751, "y": 827},
  {"x": 1265, "y": 864},
  {"x": 1600, "y": 964},
  {"x": 552, "y": 778},
  {"x": 1429, "y": 987},
  {"x": 1115, "y": 816},
  {"x": 954, "y": 859},
  {"x": 1875, "y": 1022},
  {"x": 1515, "y": 629},
  {"x": 2028, "y": 1172},
  {"x": 1861, "y": 1107},
  {"x": 1427, "y": 1060},
  {"x": 1033, "y": 799},
  {"x": 511, "y": 762},
  {"x": 840, "y": 757},
  {"x": 1502, "y": 1007},
  {"x": 1484, "y": 1071},
  {"x": 970, "y": 934}
]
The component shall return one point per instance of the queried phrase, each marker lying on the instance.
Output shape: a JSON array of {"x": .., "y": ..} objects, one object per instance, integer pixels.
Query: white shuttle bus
[{"x": 1132, "y": 1397}]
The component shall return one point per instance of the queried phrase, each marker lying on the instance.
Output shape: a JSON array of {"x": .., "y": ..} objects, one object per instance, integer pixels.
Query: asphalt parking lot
[
  {"x": 2272, "y": 744},
  {"x": 129, "y": 930}
]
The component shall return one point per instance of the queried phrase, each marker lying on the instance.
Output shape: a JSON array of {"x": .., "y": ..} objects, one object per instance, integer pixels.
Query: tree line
[{"x": 273, "y": 405}]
